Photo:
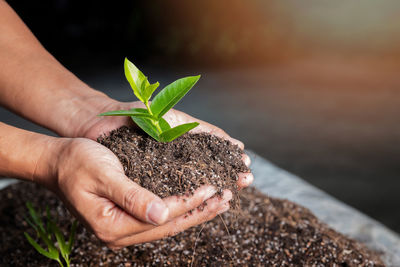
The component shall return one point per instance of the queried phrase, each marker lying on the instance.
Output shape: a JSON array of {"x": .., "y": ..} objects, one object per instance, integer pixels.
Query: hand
[
  {"x": 90, "y": 180},
  {"x": 136, "y": 231}
]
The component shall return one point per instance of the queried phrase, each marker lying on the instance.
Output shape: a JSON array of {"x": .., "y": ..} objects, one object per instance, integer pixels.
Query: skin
[{"x": 87, "y": 176}]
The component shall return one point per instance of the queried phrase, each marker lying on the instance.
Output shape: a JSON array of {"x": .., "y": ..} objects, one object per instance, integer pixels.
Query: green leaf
[
  {"x": 71, "y": 239},
  {"x": 177, "y": 131},
  {"x": 135, "y": 112},
  {"x": 147, "y": 126},
  {"x": 36, "y": 219},
  {"x": 149, "y": 90},
  {"x": 171, "y": 94},
  {"x": 31, "y": 223},
  {"x": 39, "y": 248},
  {"x": 164, "y": 125},
  {"x": 60, "y": 239},
  {"x": 135, "y": 78},
  {"x": 45, "y": 237}
]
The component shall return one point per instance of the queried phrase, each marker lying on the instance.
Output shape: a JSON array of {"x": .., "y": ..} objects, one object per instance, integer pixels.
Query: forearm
[
  {"x": 27, "y": 155},
  {"x": 36, "y": 86}
]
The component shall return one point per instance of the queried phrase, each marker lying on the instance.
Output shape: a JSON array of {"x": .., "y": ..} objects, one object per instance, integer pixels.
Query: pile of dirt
[
  {"x": 269, "y": 232},
  {"x": 178, "y": 167}
]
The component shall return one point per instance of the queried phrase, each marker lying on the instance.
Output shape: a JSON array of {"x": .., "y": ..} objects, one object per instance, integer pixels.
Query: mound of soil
[
  {"x": 269, "y": 232},
  {"x": 178, "y": 167}
]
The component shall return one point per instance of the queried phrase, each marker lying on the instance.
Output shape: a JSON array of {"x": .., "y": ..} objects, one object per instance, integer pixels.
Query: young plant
[
  {"x": 151, "y": 119},
  {"x": 46, "y": 233}
]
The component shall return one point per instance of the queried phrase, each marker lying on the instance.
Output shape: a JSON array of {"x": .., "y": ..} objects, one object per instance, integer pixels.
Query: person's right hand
[{"x": 90, "y": 180}]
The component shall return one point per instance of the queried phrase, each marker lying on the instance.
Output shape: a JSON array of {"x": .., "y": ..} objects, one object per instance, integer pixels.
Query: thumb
[{"x": 137, "y": 201}]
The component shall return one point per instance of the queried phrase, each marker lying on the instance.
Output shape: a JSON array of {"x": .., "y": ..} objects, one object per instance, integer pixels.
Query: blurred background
[{"x": 312, "y": 85}]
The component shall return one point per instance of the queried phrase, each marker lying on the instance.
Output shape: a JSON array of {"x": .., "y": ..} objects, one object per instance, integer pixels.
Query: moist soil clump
[
  {"x": 268, "y": 232},
  {"x": 178, "y": 167}
]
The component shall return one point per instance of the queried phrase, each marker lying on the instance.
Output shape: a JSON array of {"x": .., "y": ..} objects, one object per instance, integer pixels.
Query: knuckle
[{"x": 130, "y": 198}]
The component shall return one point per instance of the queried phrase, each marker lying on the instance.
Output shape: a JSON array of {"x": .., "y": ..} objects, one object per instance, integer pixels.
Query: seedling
[
  {"x": 151, "y": 119},
  {"x": 46, "y": 233}
]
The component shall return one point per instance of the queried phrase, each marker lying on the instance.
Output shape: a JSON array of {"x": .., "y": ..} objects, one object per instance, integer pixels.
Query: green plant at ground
[
  {"x": 151, "y": 119},
  {"x": 46, "y": 232}
]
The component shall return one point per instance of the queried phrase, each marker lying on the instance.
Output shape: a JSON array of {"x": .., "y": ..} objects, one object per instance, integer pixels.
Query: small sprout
[
  {"x": 151, "y": 119},
  {"x": 46, "y": 232}
]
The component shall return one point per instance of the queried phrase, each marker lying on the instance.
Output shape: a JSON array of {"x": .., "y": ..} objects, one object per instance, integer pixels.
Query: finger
[
  {"x": 136, "y": 200},
  {"x": 109, "y": 222},
  {"x": 246, "y": 159},
  {"x": 179, "y": 205},
  {"x": 214, "y": 207},
  {"x": 104, "y": 125},
  {"x": 237, "y": 142},
  {"x": 116, "y": 223},
  {"x": 175, "y": 117},
  {"x": 245, "y": 179}
]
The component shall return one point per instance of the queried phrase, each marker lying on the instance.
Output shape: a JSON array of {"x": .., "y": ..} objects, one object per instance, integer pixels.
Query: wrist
[
  {"x": 27, "y": 155},
  {"x": 79, "y": 111},
  {"x": 45, "y": 171}
]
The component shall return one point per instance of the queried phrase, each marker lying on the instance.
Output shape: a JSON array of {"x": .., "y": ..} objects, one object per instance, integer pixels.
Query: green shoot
[
  {"x": 46, "y": 232},
  {"x": 150, "y": 119}
]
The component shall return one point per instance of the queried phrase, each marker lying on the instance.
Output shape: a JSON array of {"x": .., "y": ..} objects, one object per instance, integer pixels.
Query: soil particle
[{"x": 268, "y": 232}]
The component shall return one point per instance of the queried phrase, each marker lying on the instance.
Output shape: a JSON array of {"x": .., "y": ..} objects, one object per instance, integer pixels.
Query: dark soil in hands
[
  {"x": 178, "y": 167},
  {"x": 269, "y": 232}
]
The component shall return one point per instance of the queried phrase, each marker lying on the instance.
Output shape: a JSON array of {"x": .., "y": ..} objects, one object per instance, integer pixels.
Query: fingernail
[{"x": 157, "y": 212}]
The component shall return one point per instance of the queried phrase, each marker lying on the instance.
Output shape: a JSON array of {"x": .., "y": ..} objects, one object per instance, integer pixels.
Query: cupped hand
[
  {"x": 118, "y": 210},
  {"x": 91, "y": 181}
]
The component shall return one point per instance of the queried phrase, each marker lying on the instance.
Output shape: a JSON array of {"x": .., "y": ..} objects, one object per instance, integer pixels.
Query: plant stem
[
  {"x": 154, "y": 122},
  {"x": 148, "y": 107},
  {"x": 59, "y": 262},
  {"x": 157, "y": 124},
  {"x": 66, "y": 258}
]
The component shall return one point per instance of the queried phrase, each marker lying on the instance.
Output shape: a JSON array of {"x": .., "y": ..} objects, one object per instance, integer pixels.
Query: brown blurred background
[{"x": 311, "y": 85}]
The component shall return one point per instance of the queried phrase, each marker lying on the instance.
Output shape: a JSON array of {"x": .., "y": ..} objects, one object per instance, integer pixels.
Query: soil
[
  {"x": 267, "y": 231},
  {"x": 178, "y": 167}
]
